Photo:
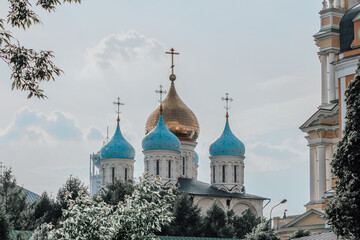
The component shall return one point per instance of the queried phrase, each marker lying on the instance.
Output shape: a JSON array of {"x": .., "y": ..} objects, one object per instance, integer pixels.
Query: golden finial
[
  {"x": 161, "y": 92},
  {"x": 227, "y": 107},
  {"x": 118, "y": 103},
  {"x": 172, "y": 52}
]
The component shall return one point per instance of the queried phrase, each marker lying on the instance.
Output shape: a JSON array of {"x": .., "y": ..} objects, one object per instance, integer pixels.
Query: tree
[
  {"x": 117, "y": 191},
  {"x": 28, "y": 66},
  {"x": 245, "y": 223},
  {"x": 187, "y": 220},
  {"x": 43, "y": 210},
  {"x": 300, "y": 233},
  {"x": 343, "y": 213},
  {"x": 70, "y": 190},
  {"x": 262, "y": 232},
  {"x": 138, "y": 217},
  {"x": 216, "y": 223},
  {"x": 12, "y": 198},
  {"x": 4, "y": 225}
]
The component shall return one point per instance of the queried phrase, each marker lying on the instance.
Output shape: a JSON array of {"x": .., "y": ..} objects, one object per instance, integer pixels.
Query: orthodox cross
[
  {"x": 161, "y": 92},
  {"x": 227, "y": 100},
  {"x": 172, "y": 52},
  {"x": 118, "y": 103}
]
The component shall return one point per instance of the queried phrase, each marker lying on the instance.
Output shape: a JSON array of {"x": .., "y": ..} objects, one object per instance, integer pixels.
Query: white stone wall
[
  {"x": 163, "y": 157},
  {"x": 119, "y": 165},
  {"x": 229, "y": 185},
  {"x": 187, "y": 153},
  {"x": 236, "y": 204}
]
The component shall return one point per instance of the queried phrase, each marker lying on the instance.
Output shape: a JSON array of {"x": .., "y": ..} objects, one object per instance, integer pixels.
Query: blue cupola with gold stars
[
  {"x": 117, "y": 147},
  {"x": 161, "y": 138},
  {"x": 227, "y": 143}
]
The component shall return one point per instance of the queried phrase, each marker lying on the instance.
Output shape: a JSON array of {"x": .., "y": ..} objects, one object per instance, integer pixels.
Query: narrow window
[
  {"x": 223, "y": 173},
  {"x": 126, "y": 174},
  {"x": 235, "y": 174},
  {"x": 183, "y": 165},
  {"x": 169, "y": 171},
  {"x": 213, "y": 175},
  {"x": 157, "y": 167},
  {"x": 147, "y": 166},
  {"x": 113, "y": 174}
]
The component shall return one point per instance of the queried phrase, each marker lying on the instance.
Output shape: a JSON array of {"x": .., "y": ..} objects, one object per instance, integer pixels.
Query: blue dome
[
  {"x": 161, "y": 138},
  {"x": 196, "y": 159},
  {"x": 117, "y": 147},
  {"x": 227, "y": 144}
]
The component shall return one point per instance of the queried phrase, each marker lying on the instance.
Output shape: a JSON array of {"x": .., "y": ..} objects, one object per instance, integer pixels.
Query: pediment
[
  {"x": 311, "y": 217},
  {"x": 325, "y": 117}
]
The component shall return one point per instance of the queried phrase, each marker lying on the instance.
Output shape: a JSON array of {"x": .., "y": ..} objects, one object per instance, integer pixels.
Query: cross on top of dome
[
  {"x": 118, "y": 103},
  {"x": 172, "y": 52},
  {"x": 227, "y": 100}
]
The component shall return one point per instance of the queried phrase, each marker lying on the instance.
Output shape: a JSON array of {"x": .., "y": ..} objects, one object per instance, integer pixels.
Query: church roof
[
  {"x": 178, "y": 117},
  {"x": 30, "y": 196},
  {"x": 227, "y": 144},
  {"x": 347, "y": 28},
  {"x": 117, "y": 147},
  {"x": 161, "y": 138},
  {"x": 195, "y": 187}
]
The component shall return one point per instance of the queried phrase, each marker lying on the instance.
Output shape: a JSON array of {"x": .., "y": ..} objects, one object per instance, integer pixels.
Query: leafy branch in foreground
[{"x": 29, "y": 67}]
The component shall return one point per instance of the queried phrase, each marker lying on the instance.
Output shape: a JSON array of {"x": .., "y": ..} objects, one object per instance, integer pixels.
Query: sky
[{"x": 260, "y": 52}]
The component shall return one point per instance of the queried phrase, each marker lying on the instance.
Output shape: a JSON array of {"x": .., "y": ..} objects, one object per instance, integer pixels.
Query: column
[
  {"x": 324, "y": 92},
  {"x": 242, "y": 173},
  {"x": 312, "y": 173},
  {"x": 331, "y": 77},
  {"x": 322, "y": 171}
]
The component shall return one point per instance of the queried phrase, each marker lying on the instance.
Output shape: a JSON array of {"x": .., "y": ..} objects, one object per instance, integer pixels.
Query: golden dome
[{"x": 179, "y": 119}]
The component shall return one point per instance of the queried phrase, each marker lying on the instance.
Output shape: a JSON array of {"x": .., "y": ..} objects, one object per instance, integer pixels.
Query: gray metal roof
[
  {"x": 195, "y": 187},
  {"x": 30, "y": 196}
]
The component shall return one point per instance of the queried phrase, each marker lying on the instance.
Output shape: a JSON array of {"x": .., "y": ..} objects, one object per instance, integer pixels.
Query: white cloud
[
  {"x": 37, "y": 127},
  {"x": 117, "y": 52}
]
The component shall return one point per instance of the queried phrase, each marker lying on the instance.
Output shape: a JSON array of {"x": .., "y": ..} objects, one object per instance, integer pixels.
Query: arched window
[
  {"x": 169, "y": 170},
  {"x": 223, "y": 173},
  {"x": 183, "y": 166},
  {"x": 112, "y": 174},
  {"x": 157, "y": 167},
  {"x": 126, "y": 174},
  {"x": 235, "y": 180},
  {"x": 213, "y": 174}
]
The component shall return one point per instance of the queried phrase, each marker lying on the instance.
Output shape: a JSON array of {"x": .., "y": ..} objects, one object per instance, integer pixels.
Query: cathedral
[
  {"x": 338, "y": 41},
  {"x": 169, "y": 153}
]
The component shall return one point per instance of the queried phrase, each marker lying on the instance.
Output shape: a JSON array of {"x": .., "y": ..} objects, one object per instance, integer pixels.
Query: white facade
[
  {"x": 227, "y": 173},
  {"x": 116, "y": 169}
]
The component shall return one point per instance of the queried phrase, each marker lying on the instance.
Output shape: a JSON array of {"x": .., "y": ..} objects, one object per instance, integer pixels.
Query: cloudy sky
[{"x": 261, "y": 52}]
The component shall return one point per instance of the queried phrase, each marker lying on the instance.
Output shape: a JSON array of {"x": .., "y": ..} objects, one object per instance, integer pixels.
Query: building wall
[
  {"x": 118, "y": 165},
  {"x": 236, "y": 204}
]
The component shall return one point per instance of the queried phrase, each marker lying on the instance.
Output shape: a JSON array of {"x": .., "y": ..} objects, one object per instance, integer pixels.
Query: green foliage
[
  {"x": 70, "y": 191},
  {"x": 117, "y": 191},
  {"x": 245, "y": 223},
  {"x": 28, "y": 66},
  {"x": 300, "y": 233},
  {"x": 43, "y": 210},
  {"x": 12, "y": 198},
  {"x": 343, "y": 213},
  {"x": 262, "y": 232},
  {"x": 216, "y": 223},
  {"x": 4, "y": 225},
  {"x": 187, "y": 219},
  {"x": 138, "y": 217}
]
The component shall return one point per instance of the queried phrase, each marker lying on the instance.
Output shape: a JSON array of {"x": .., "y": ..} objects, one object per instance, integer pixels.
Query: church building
[
  {"x": 339, "y": 50},
  {"x": 169, "y": 153}
]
